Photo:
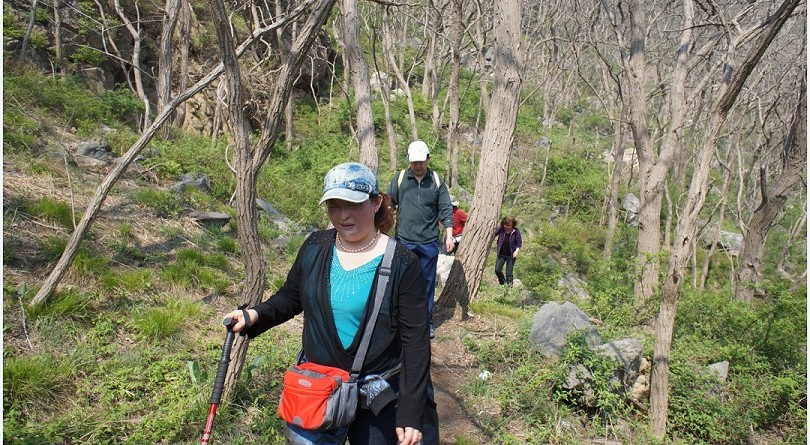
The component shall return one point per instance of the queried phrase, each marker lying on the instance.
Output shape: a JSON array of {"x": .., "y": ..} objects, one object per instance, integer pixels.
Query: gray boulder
[
  {"x": 213, "y": 218},
  {"x": 555, "y": 322},
  {"x": 200, "y": 182}
]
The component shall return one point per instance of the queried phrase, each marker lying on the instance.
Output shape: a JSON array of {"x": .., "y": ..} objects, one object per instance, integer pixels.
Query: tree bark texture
[
  {"x": 687, "y": 225},
  {"x": 773, "y": 198},
  {"x": 467, "y": 271},
  {"x": 250, "y": 160},
  {"x": 135, "y": 60},
  {"x": 184, "y": 41},
  {"x": 362, "y": 90},
  {"x": 165, "y": 56},
  {"x": 453, "y": 93}
]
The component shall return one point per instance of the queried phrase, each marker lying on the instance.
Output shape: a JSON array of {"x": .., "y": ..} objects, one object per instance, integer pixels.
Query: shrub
[
  {"x": 600, "y": 388},
  {"x": 696, "y": 411},
  {"x": 575, "y": 186}
]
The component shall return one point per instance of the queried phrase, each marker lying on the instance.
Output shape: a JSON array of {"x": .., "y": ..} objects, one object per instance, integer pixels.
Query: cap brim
[
  {"x": 417, "y": 158},
  {"x": 344, "y": 195}
]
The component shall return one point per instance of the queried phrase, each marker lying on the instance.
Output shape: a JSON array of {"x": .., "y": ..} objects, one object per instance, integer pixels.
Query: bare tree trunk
[
  {"x": 135, "y": 32},
  {"x": 615, "y": 183},
  {"x": 793, "y": 235},
  {"x": 772, "y": 201},
  {"x": 673, "y": 281},
  {"x": 385, "y": 88},
  {"x": 246, "y": 174},
  {"x": 466, "y": 273},
  {"x": 453, "y": 88},
  {"x": 250, "y": 160},
  {"x": 26, "y": 42},
  {"x": 716, "y": 233},
  {"x": 59, "y": 58},
  {"x": 53, "y": 279},
  {"x": 362, "y": 90},
  {"x": 165, "y": 56},
  {"x": 403, "y": 83},
  {"x": 480, "y": 45},
  {"x": 184, "y": 41},
  {"x": 430, "y": 81}
]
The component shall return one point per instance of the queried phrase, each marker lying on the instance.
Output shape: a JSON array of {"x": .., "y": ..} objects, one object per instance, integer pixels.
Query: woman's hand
[
  {"x": 239, "y": 316},
  {"x": 408, "y": 436}
]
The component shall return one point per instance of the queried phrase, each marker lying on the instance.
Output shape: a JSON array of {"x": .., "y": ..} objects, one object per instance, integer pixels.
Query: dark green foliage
[
  {"x": 65, "y": 98},
  {"x": 575, "y": 186},
  {"x": 697, "y": 412},
  {"x": 600, "y": 388}
]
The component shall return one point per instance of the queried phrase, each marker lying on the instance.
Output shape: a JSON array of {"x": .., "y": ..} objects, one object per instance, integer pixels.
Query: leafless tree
[
  {"x": 687, "y": 224},
  {"x": 72, "y": 246},
  {"x": 383, "y": 80},
  {"x": 773, "y": 197},
  {"x": 59, "y": 59},
  {"x": 171, "y": 12},
  {"x": 249, "y": 159},
  {"x": 456, "y": 36},
  {"x": 183, "y": 43},
  {"x": 358, "y": 67},
  {"x": 26, "y": 42},
  {"x": 137, "y": 72},
  {"x": 467, "y": 271}
]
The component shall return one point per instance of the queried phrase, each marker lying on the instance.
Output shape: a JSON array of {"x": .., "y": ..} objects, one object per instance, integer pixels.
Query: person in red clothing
[{"x": 459, "y": 220}]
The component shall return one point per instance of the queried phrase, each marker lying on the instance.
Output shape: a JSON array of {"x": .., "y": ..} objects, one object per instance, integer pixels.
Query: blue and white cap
[{"x": 352, "y": 181}]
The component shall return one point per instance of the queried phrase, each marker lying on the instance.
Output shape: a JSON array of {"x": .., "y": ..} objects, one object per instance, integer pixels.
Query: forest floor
[{"x": 452, "y": 366}]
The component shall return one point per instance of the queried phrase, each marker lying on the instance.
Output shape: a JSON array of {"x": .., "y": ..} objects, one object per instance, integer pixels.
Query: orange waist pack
[{"x": 318, "y": 397}]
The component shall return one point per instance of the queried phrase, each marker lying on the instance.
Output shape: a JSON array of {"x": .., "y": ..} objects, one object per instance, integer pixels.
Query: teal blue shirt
[{"x": 349, "y": 294}]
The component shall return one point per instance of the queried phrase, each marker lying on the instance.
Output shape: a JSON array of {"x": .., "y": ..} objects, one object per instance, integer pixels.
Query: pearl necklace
[{"x": 340, "y": 243}]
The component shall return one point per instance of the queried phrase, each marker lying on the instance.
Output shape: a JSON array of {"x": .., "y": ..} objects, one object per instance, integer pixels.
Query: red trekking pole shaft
[{"x": 219, "y": 383}]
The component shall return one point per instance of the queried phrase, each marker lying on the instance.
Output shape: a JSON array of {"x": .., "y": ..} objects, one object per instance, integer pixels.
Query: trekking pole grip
[{"x": 222, "y": 368}]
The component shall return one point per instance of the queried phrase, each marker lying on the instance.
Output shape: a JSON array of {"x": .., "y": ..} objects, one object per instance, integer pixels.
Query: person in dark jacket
[
  {"x": 422, "y": 201},
  {"x": 509, "y": 244},
  {"x": 333, "y": 282}
]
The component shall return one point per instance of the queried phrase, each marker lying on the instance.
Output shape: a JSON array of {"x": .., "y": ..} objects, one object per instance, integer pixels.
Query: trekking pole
[{"x": 219, "y": 383}]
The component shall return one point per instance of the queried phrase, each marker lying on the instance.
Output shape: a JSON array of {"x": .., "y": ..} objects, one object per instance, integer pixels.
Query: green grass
[
  {"x": 34, "y": 384},
  {"x": 165, "y": 203},
  {"x": 52, "y": 210},
  {"x": 156, "y": 323}
]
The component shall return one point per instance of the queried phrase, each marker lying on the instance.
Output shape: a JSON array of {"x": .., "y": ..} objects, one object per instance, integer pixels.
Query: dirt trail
[{"x": 451, "y": 368}]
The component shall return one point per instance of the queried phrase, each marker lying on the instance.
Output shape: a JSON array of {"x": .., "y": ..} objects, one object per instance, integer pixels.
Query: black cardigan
[{"x": 400, "y": 334}]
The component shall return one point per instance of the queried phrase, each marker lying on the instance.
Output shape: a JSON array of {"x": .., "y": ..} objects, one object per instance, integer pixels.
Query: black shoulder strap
[{"x": 382, "y": 284}]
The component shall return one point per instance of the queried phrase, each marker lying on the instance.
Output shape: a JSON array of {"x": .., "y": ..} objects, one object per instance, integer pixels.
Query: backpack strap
[
  {"x": 399, "y": 183},
  {"x": 382, "y": 284},
  {"x": 436, "y": 181}
]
